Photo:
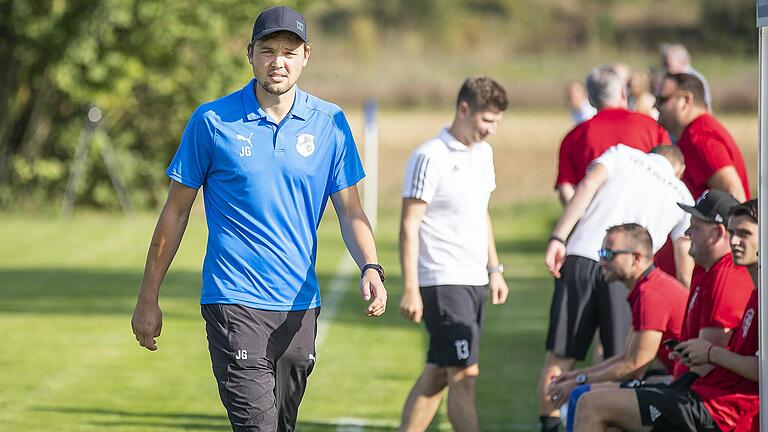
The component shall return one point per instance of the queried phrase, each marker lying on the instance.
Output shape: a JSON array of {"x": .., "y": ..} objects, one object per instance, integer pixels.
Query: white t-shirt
[
  {"x": 641, "y": 188},
  {"x": 456, "y": 182}
]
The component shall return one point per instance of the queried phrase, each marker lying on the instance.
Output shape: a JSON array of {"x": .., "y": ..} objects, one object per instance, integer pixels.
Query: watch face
[{"x": 581, "y": 378}]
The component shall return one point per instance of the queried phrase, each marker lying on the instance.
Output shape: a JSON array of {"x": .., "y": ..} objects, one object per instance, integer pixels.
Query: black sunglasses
[
  {"x": 608, "y": 254},
  {"x": 661, "y": 100}
]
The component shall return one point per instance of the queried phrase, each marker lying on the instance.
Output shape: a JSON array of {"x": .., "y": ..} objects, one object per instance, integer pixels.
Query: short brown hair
[
  {"x": 638, "y": 236},
  {"x": 748, "y": 209},
  {"x": 689, "y": 83},
  {"x": 482, "y": 92}
]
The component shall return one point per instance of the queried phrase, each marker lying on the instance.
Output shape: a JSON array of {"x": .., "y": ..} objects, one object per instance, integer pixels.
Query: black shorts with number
[
  {"x": 581, "y": 303},
  {"x": 453, "y": 315},
  {"x": 673, "y": 409},
  {"x": 261, "y": 360}
]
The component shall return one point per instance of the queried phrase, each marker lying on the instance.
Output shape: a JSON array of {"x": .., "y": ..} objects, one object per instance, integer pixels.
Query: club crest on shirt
[
  {"x": 693, "y": 299},
  {"x": 305, "y": 144},
  {"x": 748, "y": 316}
]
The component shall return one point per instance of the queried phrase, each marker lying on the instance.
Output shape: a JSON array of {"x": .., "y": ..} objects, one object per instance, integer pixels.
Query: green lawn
[{"x": 69, "y": 361}]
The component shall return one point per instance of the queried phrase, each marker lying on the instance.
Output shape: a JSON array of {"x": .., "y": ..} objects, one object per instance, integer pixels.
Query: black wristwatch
[{"x": 379, "y": 269}]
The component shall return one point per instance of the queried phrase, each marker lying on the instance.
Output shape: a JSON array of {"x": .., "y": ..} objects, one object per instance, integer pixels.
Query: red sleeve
[
  {"x": 662, "y": 136},
  {"x": 723, "y": 304},
  {"x": 650, "y": 312},
  {"x": 566, "y": 168},
  {"x": 706, "y": 157}
]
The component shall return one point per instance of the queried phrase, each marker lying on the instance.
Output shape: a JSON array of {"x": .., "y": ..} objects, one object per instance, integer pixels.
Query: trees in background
[
  {"x": 145, "y": 63},
  {"x": 148, "y": 63}
]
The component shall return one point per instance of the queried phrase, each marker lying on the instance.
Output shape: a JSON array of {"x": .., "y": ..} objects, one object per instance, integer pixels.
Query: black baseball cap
[
  {"x": 713, "y": 206},
  {"x": 279, "y": 18}
]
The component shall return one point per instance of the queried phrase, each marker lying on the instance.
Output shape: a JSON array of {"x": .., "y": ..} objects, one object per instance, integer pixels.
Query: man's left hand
[
  {"x": 372, "y": 289},
  {"x": 498, "y": 287},
  {"x": 560, "y": 390},
  {"x": 694, "y": 352}
]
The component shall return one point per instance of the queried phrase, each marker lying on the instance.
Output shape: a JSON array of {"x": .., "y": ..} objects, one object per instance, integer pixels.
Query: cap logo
[
  {"x": 702, "y": 197},
  {"x": 718, "y": 218},
  {"x": 300, "y": 25}
]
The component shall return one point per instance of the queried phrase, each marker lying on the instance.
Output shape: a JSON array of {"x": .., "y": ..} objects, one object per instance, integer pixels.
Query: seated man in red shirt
[
  {"x": 719, "y": 288},
  {"x": 613, "y": 124},
  {"x": 658, "y": 308},
  {"x": 658, "y": 303},
  {"x": 726, "y": 399}
]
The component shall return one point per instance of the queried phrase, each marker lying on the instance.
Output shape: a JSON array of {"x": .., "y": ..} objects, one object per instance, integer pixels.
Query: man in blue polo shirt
[{"x": 268, "y": 158}]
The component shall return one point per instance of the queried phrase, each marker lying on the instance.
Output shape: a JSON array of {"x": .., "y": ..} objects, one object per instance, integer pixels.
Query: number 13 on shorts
[{"x": 462, "y": 349}]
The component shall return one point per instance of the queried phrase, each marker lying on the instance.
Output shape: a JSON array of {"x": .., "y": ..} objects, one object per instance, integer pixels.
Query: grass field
[{"x": 69, "y": 361}]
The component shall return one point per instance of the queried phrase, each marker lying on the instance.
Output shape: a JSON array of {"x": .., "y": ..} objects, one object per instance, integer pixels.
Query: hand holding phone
[{"x": 671, "y": 343}]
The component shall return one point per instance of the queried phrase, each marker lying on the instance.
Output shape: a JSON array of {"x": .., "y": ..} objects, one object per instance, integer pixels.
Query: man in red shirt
[
  {"x": 726, "y": 399},
  {"x": 613, "y": 124},
  {"x": 719, "y": 288},
  {"x": 712, "y": 158},
  {"x": 658, "y": 307}
]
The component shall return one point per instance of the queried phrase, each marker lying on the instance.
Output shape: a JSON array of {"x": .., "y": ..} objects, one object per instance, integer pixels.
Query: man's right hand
[
  {"x": 411, "y": 306},
  {"x": 147, "y": 321},
  {"x": 555, "y": 257}
]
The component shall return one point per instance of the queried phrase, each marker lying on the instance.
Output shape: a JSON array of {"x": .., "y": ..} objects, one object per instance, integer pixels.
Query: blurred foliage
[{"x": 148, "y": 63}]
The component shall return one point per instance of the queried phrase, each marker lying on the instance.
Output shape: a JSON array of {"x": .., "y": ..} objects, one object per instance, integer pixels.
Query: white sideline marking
[{"x": 332, "y": 295}]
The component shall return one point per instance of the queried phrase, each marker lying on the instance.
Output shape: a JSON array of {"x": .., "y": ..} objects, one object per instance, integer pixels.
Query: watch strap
[{"x": 379, "y": 269}]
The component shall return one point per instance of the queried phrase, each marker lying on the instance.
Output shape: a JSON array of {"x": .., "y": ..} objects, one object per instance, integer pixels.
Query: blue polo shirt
[{"x": 265, "y": 187}]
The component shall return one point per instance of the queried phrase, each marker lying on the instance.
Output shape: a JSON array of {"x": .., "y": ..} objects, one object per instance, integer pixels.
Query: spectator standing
[
  {"x": 613, "y": 124},
  {"x": 676, "y": 60}
]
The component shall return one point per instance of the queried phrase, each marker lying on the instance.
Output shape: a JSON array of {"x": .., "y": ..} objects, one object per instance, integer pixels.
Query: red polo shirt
[
  {"x": 658, "y": 303},
  {"x": 708, "y": 147},
  {"x": 611, "y": 126},
  {"x": 732, "y": 400},
  {"x": 717, "y": 299}
]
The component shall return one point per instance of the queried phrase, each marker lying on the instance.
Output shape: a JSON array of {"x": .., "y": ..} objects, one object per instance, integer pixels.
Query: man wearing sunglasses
[
  {"x": 712, "y": 158},
  {"x": 623, "y": 185},
  {"x": 725, "y": 399},
  {"x": 657, "y": 301}
]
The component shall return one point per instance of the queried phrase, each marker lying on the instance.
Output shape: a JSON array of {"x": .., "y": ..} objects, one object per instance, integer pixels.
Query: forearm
[
  {"x": 718, "y": 337},
  {"x": 745, "y": 366},
  {"x": 162, "y": 249},
  {"x": 621, "y": 370},
  {"x": 575, "y": 208},
  {"x": 409, "y": 256},
  {"x": 358, "y": 237},
  {"x": 493, "y": 256},
  {"x": 599, "y": 367}
]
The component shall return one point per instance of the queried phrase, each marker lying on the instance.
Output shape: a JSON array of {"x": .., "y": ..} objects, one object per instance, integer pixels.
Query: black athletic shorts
[
  {"x": 453, "y": 315},
  {"x": 583, "y": 302},
  {"x": 673, "y": 409},
  {"x": 261, "y": 361}
]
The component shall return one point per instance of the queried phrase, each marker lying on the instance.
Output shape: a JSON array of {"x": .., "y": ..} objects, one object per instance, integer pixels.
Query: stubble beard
[{"x": 276, "y": 89}]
